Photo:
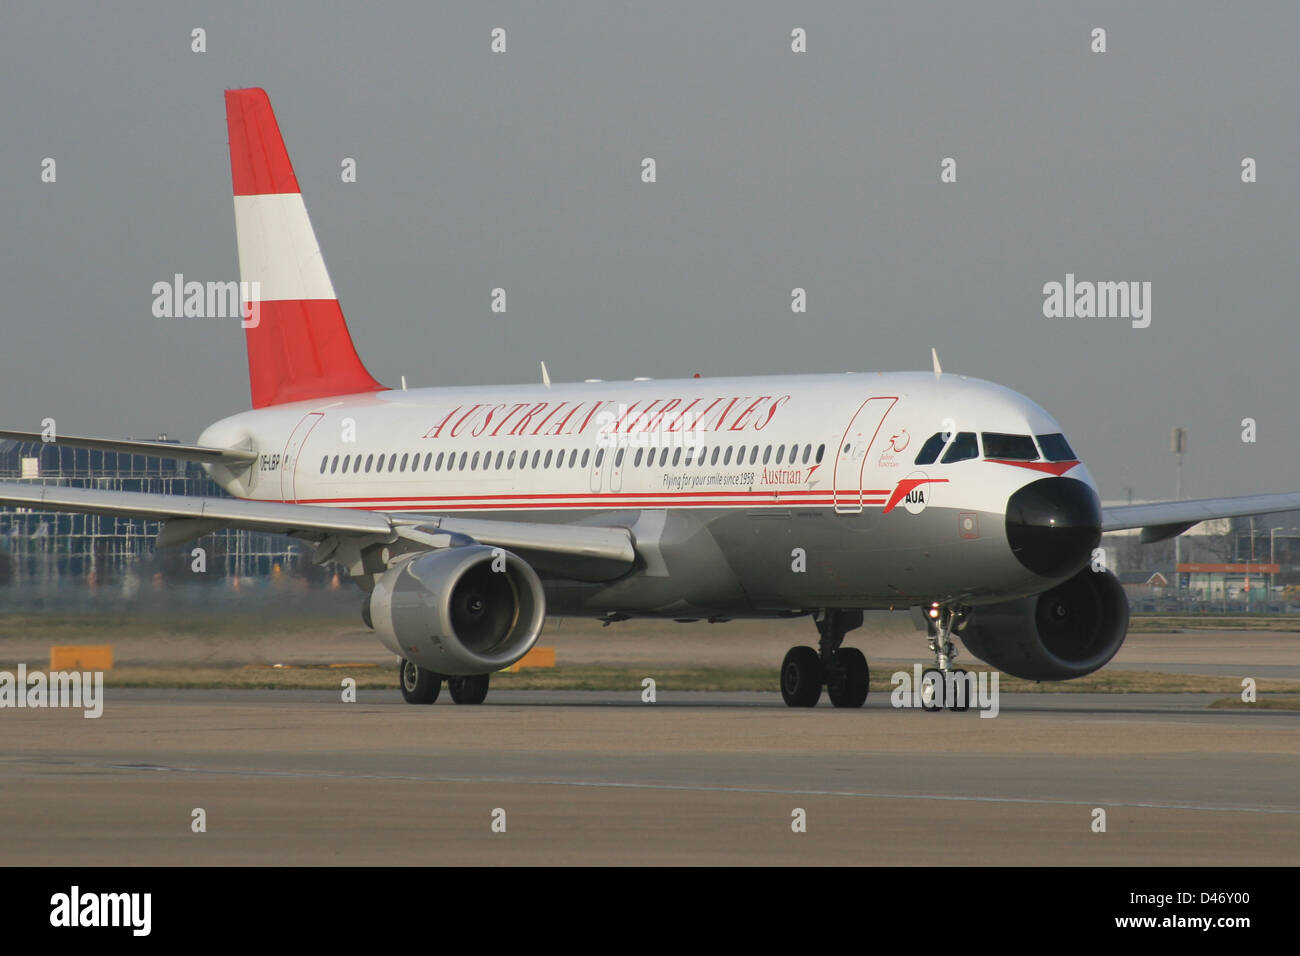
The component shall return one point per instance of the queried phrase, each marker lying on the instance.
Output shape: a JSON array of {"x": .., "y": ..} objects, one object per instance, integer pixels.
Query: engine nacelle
[
  {"x": 459, "y": 611},
  {"x": 1069, "y": 631}
]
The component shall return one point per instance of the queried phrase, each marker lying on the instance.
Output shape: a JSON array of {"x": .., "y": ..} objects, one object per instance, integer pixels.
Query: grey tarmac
[{"x": 594, "y": 777}]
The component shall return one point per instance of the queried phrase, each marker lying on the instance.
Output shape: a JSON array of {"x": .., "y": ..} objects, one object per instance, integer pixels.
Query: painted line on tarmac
[{"x": 702, "y": 788}]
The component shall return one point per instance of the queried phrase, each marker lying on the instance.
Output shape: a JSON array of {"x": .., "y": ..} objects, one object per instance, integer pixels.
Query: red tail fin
[{"x": 298, "y": 342}]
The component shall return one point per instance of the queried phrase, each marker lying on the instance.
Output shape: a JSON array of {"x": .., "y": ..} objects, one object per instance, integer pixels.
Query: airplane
[{"x": 468, "y": 514}]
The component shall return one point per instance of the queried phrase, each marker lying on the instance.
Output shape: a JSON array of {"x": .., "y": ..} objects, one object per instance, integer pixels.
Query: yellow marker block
[
  {"x": 537, "y": 657},
  {"x": 81, "y": 657}
]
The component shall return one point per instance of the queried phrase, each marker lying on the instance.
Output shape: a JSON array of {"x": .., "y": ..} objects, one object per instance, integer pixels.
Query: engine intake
[
  {"x": 1067, "y": 632},
  {"x": 459, "y": 611}
]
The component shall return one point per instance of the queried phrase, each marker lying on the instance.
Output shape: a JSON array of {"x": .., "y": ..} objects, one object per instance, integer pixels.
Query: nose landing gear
[{"x": 940, "y": 683}]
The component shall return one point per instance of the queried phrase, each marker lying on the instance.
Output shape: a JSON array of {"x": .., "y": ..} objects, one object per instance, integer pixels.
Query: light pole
[
  {"x": 1272, "y": 559},
  {"x": 1178, "y": 445},
  {"x": 1252, "y": 561}
]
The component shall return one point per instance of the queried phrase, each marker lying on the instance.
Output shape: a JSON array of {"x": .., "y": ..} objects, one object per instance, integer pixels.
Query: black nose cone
[{"x": 1053, "y": 525}]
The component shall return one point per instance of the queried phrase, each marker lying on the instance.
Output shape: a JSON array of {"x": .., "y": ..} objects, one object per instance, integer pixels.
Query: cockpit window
[
  {"x": 963, "y": 447},
  {"x": 930, "y": 450},
  {"x": 1056, "y": 448},
  {"x": 1009, "y": 447}
]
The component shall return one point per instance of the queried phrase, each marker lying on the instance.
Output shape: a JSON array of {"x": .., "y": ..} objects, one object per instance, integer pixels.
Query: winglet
[
  {"x": 546, "y": 376},
  {"x": 934, "y": 354}
]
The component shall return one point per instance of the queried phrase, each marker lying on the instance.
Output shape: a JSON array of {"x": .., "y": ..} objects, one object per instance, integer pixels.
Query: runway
[{"x": 696, "y": 778}]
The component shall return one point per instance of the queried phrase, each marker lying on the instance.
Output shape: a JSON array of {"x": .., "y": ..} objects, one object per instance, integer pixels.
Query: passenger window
[
  {"x": 1056, "y": 448},
  {"x": 1009, "y": 447},
  {"x": 586, "y": 456},
  {"x": 740, "y": 456},
  {"x": 546, "y": 462},
  {"x": 704, "y": 456},
  {"x": 600, "y": 456},
  {"x": 403, "y": 468},
  {"x": 510, "y": 462},
  {"x": 369, "y": 461},
  {"x": 392, "y": 461},
  {"x": 963, "y": 447},
  {"x": 753, "y": 454},
  {"x": 780, "y": 453},
  {"x": 726, "y": 459},
  {"x": 500, "y": 455},
  {"x": 324, "y": 462},
  {"x": 677, "y": 455},
  {"x": 714, "y": 460},
  {"x": 334, "y": 465},
  {"x": 347, "y": 460},
  {"x": 537, "y": 456},
  {"x": 356, "y": 464},
  {"x": 618, "y": 459},
  {"x": 767, "y": 454},
  {"x": 636, "y": 460},
  {"x": 573, "y": 457},
  {"x": 463, "y": 456},
  {"x": 821, "y": 450},
  {"x": 807, "y": 450},
  {"x": 929, "y": 452}
]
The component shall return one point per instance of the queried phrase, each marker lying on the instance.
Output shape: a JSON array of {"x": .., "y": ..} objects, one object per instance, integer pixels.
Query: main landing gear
[
  {"x": 422, "y": 686},
  {"x": 842, "y": 671},
  {"x": 939, "y": 684}
]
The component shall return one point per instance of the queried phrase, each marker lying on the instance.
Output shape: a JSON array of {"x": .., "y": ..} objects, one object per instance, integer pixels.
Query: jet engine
[
  {"x": 1067, "y": 632},
  {"x": 459, "y": 611}
]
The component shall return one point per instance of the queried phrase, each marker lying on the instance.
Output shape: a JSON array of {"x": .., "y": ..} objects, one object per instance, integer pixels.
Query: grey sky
[{"x": 775, "y": 170}]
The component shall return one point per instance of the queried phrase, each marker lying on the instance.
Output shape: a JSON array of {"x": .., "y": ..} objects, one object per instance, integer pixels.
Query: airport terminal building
[{"x": 47, "y": 549}]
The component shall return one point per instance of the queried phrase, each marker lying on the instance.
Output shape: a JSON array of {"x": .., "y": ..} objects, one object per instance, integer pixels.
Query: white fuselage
[{"x": 838, "y": 446}]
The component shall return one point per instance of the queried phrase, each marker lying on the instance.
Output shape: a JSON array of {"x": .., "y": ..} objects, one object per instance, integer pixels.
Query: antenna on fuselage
[
  {"x": 546, "y": 376},
  {"x": 934, "y": 354}
]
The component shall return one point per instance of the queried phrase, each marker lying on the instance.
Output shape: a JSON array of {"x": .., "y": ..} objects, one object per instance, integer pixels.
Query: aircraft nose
[{"x": 1053, "y": 524}]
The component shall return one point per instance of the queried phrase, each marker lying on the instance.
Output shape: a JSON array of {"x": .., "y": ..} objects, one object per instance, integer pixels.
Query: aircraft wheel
[
  {"x": 468, "y": 690},
  {"x": 801, "y": 677},
  {"x": 959, "y": 677},
  {"x": 419, "y": 686},
  {"x": 848, "y": 686},
  {"x": 932, "y": 689}
]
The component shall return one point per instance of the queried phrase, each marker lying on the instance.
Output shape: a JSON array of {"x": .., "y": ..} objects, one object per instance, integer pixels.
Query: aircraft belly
[
  {"x": 736, "y": 561},
  {"x": 806, "y": 557}
]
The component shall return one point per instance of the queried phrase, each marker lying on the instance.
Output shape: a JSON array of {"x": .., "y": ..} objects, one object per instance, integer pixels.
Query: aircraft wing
[
  {"x": 580, "y": 551},
  {"x": 231, "y": 457},
  {"x": 1167, "y": 519}
]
